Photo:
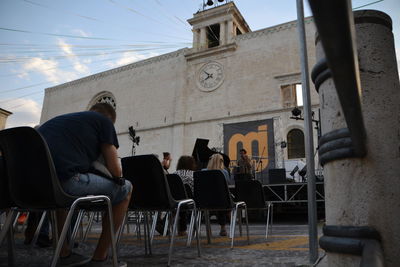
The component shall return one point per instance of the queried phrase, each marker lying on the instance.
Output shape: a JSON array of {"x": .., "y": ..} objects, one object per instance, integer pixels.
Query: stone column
[
  {"x": 222, "y": 33},
  {"x": 196, "y": 39},
  {"x": 229, "y": 30},
  {"x": 203, "y": 38},
  {"x": 366, "y": 191}
]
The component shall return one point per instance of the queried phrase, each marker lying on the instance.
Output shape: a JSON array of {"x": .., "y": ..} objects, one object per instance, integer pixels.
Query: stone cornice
[
  {"x": 190, "y": 55},
  {"x": 120, "y": 69},
  {"x": 5, "y": 112},
  {"x": 270, "y": 30}
]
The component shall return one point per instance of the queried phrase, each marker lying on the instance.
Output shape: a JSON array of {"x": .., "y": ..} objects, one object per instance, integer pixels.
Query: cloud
[
  {"x": 130, "y": 57},
  {"x": 80, "y": 32},
  {"x": 50, "y": 67},
  {"x": 77, "y": 65},
  {"x": 26, "y": 112}
]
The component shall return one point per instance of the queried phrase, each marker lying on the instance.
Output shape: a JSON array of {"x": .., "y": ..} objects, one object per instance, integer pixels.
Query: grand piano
[{"x": 202, "y": 153}]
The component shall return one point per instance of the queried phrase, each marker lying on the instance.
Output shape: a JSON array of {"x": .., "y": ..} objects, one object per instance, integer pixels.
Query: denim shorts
[{"x": 83, "y": 184}]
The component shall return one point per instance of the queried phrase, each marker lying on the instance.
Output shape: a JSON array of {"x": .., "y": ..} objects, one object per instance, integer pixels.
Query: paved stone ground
[{"x": 287, "y": 246}]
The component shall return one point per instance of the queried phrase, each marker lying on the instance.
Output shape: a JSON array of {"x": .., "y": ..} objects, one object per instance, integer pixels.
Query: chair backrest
[
  {"x": 176, "y": 187},
  {"x": 150, "y": 187},
  {"x": 251, "y": 192},
  {"x": 32, "y": 179},
  {"x": 5, "y": 198},
  {"x": 211, "y": 190}
]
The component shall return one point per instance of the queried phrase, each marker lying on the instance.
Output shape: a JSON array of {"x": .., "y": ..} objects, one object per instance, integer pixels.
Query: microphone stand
[{"x": 260, "y": 163}]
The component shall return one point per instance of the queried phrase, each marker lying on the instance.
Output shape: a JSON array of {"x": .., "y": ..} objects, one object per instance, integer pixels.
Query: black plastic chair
[
  {"x": 151, "y": 192},
  {"x": 211, "y": 192},
  {"x": 6, "y": 205},
  {"x": 179, "y": 190},
  {"x": 252, "y": 192},
  {"x": 34, "y": 185}
]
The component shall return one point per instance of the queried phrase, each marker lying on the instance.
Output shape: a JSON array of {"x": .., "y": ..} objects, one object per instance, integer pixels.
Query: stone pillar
[
  {"x": 196, "y": 39},
  {"x": 230, "y": 35},
  {"x": 222, "y": 33},
  {"x": 203, "y": 38},
  {"x": 366, "y": 191}
]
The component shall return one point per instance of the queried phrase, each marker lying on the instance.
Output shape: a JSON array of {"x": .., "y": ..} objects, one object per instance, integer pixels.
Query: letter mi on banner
[{"x": 257, "y": 138}]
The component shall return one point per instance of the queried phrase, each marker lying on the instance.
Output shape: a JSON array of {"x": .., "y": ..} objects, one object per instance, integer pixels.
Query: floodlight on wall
[{"x": 296, "y": 115}]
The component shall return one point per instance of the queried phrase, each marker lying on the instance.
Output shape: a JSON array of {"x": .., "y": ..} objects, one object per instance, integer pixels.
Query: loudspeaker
[{"x": 277, "y": 176}]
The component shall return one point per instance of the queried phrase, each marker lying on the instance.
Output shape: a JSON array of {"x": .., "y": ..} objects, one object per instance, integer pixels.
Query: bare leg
[{"x": 104, "y": 243}]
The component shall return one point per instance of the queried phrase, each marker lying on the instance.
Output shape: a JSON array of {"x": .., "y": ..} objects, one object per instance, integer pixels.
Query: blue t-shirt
[{"x": 75, "y": 140}]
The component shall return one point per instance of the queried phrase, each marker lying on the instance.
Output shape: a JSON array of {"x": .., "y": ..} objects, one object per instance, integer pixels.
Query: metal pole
[{"x": 309, "y": 142}]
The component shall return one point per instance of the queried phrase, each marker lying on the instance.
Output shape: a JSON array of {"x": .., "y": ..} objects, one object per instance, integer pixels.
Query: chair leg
[
  {"x": 63, "y": 235},
  {"x": 121, "y": 229},
  {"x": 146, "y": 233},
  {"x": 267, "y": 227},
  {"x": 208, "y": 226},
  {"x": 153, "y": 226},
  {"x": 167, "y": 223},
  {"x": 191, "y": 225},
  {"x": 174, "y": 230},
  {"x": 11, "y": 247},
  {"x": 54, "y": 228},
  {"x": 16, "y": 219},
  {"x": 197, "y": 235},
  {"x": 232, "y": 230},
  {"x": 138, "y": 220},
  {"x": 76, "y": 228},
  {"x": 112, "y": 230},
  {"x": 231, "y": 223},
  {"x": 39, "y": 226},
  {"x": 8, "y": 224},
  {"x": 89, "y": 226},
  {"x": 240, "y": 222},
  {"x": 272, "y": 217},
  {"x": 247, "y": 225}
]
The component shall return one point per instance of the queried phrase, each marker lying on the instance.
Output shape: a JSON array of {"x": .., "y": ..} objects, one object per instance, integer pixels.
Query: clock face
[{"x": 210, "y": 76}]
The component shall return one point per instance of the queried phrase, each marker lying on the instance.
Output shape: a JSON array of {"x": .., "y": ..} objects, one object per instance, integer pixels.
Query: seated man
[{"x": 76, "y": 140}]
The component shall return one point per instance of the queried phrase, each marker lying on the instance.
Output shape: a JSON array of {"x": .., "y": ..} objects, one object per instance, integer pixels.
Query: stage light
[{"x": 296, "y": 112}]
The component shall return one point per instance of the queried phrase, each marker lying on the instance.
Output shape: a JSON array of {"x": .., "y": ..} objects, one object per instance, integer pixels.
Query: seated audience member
[
  {"x": 184, "y": 168},
  {"x": 76, "y": 140},
  {"x": 216, "y": 162},
  {"x": 166, "y": 162}
]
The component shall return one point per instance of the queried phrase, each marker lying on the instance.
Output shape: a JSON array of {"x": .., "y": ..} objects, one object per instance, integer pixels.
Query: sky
[{"x": 44, "y": 43}]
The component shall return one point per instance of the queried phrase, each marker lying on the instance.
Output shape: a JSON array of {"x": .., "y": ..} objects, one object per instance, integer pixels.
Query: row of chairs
[{"x": 30, "y": 183}]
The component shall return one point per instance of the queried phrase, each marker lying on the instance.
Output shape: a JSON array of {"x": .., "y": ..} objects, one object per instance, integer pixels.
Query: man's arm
[{"x": 111, "y": 160}]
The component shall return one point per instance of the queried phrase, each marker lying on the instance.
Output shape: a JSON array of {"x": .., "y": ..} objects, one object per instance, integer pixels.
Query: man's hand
[{"x": 110, "y": 155}]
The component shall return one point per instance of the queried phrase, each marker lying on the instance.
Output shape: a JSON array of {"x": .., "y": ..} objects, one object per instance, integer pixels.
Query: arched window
[
  {"x": 295, "y": 140},
  {"x": 103, "y": 97}
]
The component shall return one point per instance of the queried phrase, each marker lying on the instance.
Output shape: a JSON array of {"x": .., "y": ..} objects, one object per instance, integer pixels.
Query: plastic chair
[
  {"x": 151, "y": 192},
  {"x": 252, "y": 192},
  {"x": 34, "y": 185},
  {"x": 7, "y": 205},
  {"x": 211, "y": 193}
]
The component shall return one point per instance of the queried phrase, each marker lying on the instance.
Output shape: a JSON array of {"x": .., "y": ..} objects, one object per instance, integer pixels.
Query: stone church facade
[{"x": 230, "y": 76}]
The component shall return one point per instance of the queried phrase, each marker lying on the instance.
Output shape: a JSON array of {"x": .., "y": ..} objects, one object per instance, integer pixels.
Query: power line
[
  {"x": 24, "y": 59},
  {"x": 59, "y": 35},
  {"x": 98, "y": 20},
  {"x": 136, "y": 12},
  {"x": 367, "y": 4}
]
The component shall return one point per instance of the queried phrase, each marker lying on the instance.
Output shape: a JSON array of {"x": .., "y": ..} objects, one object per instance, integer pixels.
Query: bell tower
[{"x": 215, "y": 28}]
